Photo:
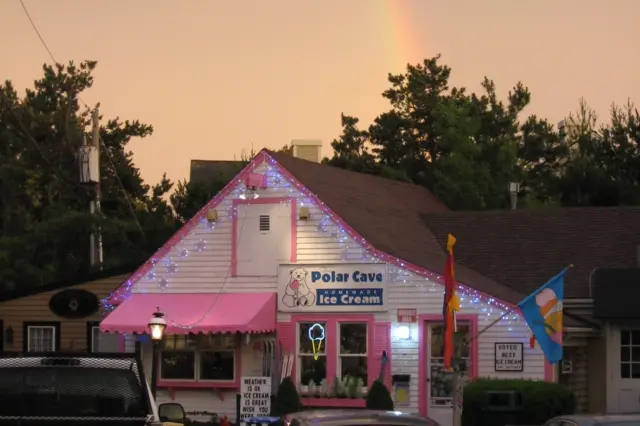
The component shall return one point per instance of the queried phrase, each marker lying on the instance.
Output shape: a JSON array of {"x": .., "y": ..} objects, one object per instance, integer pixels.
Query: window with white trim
[
  {"x": 441, "y": 381},
  {"x": 312, "y": 353},
  {"x": 353, "y": 356},
  {"x": 41, "y": 338},
  {"x": 95, "y": 338},
  {"x": 629, "y": 354},
  {"x": 201, "y": 358}
]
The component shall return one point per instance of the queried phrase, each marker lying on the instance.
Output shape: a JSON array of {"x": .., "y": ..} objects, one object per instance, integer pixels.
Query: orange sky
[{"x": 217, "y": 76}]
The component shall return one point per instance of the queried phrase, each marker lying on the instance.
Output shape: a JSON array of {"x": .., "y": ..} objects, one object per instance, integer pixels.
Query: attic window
[{"x": 265, "y": 222}]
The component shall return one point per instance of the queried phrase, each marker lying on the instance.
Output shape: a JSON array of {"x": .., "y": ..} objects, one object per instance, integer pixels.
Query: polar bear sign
[{"x": 332, "y": 288}]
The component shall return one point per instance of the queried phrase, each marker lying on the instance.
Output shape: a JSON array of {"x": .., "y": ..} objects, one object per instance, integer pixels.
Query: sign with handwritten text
[{"x": 255, "y": 397}]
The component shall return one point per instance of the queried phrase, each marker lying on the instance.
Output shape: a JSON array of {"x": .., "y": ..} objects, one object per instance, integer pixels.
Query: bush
[
  {"x": 540, "y": 402},
  {"x": 379, "y": 398},
  {"x": 287, "y": 398}
]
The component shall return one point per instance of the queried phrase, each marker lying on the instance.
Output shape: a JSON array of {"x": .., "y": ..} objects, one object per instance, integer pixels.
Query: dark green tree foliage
[
  {"x": 44, "y": 211},
  {"x": 379, "y": 398},
  {"x": 287, "y": 398},
  {"x": 466, "y": 147}
]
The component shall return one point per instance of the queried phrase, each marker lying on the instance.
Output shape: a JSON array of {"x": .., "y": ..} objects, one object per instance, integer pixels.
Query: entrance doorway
[{"x": 439, "y": 389}]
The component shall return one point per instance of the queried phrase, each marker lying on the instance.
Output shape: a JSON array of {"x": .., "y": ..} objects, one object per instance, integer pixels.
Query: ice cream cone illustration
[{"x": 551, "y": 310}]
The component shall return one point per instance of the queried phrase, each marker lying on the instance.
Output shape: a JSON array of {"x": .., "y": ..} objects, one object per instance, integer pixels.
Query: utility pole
[{"x": 96, "y": 241}]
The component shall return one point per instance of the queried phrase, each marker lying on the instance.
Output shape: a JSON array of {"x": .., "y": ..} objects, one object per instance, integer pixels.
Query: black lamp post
[{"x": 156, "y": 328}]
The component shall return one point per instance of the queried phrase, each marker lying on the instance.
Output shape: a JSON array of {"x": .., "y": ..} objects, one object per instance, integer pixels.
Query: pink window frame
[
  {"x": 234, "y": 226},
  {"x": 207, "y": 384},
  {"x": 331, "y": 341},
  {"x": 423, "y": 353}
]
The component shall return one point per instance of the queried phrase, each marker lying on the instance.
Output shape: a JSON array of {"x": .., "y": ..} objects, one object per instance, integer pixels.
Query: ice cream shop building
[{"x": 330, "y": 275}]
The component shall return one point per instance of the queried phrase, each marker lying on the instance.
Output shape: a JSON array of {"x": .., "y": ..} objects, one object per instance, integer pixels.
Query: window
[
  {"x": 440, "y": 380},
  {"x": 630, "y": 354},
  {"x": 200, "y": 358},
  {"x": 97, "y": 341},
  {"x": 312, "y": 354},
  {"x": 352, "y": 360},
  {"x": 41, "y": 336}
]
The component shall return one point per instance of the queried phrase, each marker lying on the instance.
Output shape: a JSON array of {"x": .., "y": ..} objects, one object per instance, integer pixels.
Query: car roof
[
  {"x": 351, "y": 414},
  {"x": 594, "y": 419}
]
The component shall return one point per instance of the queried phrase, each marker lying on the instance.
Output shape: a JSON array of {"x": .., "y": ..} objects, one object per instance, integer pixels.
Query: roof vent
[{"x": 307, "y": 149}]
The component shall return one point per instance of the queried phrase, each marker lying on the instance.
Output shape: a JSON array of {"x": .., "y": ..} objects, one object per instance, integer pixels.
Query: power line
[
  {"x": 113, "y": 167},
  {"x": 227, "y": 276},
  {"x": 33, "y": 25}
]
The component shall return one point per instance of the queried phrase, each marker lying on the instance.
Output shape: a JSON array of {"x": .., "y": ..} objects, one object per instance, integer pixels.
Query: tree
[
  {"x": 45, "y": 222},
  {"x": 467, "y": 147},
  {"x": 461, "y": 146}
]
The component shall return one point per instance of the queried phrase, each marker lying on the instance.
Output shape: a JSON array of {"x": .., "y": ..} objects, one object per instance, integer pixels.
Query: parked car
[
  {"x": 356, "y": 417},
  {"x": 595, "y": 420},
  {"x": 78, "y": 390}
]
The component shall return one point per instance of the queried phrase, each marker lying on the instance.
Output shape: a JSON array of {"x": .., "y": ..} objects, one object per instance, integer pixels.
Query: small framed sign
[{"x": 509, "y": 357}]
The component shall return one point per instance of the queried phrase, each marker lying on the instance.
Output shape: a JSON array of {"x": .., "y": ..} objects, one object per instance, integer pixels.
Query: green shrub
[
  {"x": 287, "y": 399},
  {"x": 540, "y": 402},
  {"x": 379, "y": 398}
]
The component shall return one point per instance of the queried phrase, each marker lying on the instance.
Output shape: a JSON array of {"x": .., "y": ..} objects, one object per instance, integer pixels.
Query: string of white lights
[
  {"x": 206, "y": 314},
  {"x": 353, "y": 249}
]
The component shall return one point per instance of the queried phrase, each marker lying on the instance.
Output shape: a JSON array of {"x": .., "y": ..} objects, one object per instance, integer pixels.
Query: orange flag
[{"x": 451, "y": 304}]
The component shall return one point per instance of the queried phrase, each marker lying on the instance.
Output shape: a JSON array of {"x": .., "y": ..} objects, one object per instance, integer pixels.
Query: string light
[{"x": 353, "y": 246}]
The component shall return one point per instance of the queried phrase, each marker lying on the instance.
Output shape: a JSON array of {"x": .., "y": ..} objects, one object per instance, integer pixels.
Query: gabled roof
[
  {"x": 387, "y": 216},
  {"x": 525, "y": 248},
  {"x": 390, "y": 216}
]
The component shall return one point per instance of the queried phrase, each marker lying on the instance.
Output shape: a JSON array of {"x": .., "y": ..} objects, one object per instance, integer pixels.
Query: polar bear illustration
[{"x": 297, "y": 292}]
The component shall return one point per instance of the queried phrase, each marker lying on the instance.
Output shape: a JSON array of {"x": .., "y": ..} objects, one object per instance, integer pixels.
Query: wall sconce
[
  {"x": 8, "y": 335},
  {"x": 403, "y": 332},
  {"x": 304, "y": 213},
  {"x": 212, "y": 216}
]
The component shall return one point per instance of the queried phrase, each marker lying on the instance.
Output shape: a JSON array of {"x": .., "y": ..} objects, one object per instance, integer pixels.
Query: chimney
[
  {"x": 307, "y": 149},
  {"x": 514, "y": 188}
]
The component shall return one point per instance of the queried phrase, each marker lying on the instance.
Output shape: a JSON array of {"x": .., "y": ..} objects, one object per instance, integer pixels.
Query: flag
[
  {"x": 451, "y": 304},
  {"x": 542, "y": 310}
]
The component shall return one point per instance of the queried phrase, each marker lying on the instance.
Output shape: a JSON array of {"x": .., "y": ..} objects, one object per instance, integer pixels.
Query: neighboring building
[
  {"x": 615, "y": 293},
  {"x": 259, "y": 273},
  {"x": 62, "y": 316},
  {"x": 523, "y": 248}
]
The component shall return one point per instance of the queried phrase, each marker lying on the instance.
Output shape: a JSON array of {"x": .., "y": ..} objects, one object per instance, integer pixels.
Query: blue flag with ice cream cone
[{"x": 542, "y": 310}]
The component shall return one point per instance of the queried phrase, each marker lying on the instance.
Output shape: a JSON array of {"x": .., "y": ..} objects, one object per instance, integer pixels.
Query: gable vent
[{"x": 265, "y": 222}]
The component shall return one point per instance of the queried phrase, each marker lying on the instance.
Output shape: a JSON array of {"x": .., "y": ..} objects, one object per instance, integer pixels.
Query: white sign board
[
  {"x": 345, "y": 287},
  {"x": 255, "y": 397},
  {"x": 509, "y": 357}
]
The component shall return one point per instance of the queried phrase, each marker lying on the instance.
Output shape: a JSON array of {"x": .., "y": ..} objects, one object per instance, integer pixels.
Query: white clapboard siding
[{"x": 208, "y": 271}]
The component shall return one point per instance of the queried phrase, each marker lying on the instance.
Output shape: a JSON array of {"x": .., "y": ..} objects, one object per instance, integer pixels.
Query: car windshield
[{"x": 70, "y": 392}]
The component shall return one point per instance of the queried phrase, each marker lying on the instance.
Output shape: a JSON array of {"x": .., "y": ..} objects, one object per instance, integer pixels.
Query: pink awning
[{"x": 196, "y": 313}]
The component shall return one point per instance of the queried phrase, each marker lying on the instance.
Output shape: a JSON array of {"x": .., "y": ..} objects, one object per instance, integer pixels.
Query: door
[
  {"x": 439, "y": 382},
  {"x": 628, "y": 370}
]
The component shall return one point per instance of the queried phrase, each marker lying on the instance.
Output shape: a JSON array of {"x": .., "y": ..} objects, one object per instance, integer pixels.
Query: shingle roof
[
  {"x": 525, "y": 248},
  {"x": 389, "y": 215}
]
